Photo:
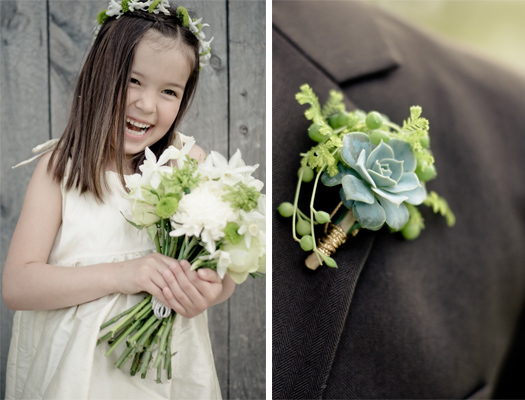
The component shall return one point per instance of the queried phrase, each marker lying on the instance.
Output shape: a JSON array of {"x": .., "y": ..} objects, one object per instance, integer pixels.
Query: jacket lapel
[
  {"x": 310, "y": 307},
  {"x": 345, "y": 45}
]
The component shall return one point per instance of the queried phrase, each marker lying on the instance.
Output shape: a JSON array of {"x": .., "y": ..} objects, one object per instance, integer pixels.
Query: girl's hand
[
  {"x": 191, "y": 292},
  {"x": 145, "y": 274}
]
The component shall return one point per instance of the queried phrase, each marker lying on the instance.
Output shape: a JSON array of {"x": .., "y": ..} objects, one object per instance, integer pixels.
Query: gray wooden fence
[{"x": 42, "y": 46}]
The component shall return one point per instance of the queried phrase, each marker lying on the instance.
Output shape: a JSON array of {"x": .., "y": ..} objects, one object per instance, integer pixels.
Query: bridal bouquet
[
  {"x": 212, "y": 215},
  {"x": 381, "y": 170}
]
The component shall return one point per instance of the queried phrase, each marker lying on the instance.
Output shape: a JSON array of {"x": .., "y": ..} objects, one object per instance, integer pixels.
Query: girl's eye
[
  {"x": 134, "y": 81},
  {"x": 170, "y": 92}
]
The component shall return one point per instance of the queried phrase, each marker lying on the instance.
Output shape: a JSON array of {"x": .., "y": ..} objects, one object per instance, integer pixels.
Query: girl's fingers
[
  {"x": 183, "y": 274},
  {"x": 209, "y": 275},
  {"x": 173, "y": 283},
  {"x": 173, "y": 303},
  {"x": 158, "y": 293}
]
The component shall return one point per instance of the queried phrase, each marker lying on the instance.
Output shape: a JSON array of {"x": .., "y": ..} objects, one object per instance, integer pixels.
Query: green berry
[
  {"x": 322, "y": 217},
  {"x": 308, "y": 173},
  {"x": 425, "y": 141},
  {"x": 425, "y": 172},
  {"x": 374, "y": 120},
  {"x": 339, "y": 120},
  {"x": 315, "y": 134},
  {"x": 302, "y": 227},
  {"x": 360, "y": 115},
  {"x": 285, "y": 209},
  {"x": 411, "y": 231},
  {"x": 376, "y": 136},
  {"x": 307, "y": 243}
]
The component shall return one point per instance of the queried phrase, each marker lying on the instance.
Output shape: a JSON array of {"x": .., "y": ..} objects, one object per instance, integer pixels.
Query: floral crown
[{"x": 116, "y": 8}]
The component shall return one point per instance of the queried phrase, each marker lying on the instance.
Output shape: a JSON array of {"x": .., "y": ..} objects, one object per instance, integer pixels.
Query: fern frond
[
  {"x": 314, "y": 113},
  {"x": 415, "y": 122},
  {"x": 440, "y": 205},
  {"x": 334, "y": 104}
]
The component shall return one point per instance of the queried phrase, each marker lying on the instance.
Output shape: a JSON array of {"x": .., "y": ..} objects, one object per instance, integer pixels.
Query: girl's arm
[
  {"x": 29, "y": 283},
  {"x": 197, "y": 153}
]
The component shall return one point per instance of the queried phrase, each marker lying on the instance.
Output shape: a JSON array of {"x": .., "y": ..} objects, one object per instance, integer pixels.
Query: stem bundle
[{"x": 145, "y": 335}]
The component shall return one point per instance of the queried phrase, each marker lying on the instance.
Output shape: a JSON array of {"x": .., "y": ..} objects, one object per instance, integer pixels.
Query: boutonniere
[{"x": 382, "y": 169}]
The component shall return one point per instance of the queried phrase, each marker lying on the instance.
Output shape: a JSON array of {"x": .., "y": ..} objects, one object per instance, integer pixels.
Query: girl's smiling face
[{"x": 161, "y": 67}]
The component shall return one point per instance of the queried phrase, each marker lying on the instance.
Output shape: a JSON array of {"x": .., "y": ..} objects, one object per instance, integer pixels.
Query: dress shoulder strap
[
  {"x": 42, "y": 149},
  {"x": 180, "y": 142}
]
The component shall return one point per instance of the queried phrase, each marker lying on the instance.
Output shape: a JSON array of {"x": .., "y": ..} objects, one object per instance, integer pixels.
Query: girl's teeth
[{"x": 137, "y": 124}]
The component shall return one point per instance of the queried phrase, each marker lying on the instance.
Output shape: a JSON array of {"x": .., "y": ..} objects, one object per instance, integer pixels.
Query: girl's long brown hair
[{"x": 94, "y": 134}]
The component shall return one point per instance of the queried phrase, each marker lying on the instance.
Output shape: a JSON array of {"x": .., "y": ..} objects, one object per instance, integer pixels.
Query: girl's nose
[{"x": 146, "y": 102}]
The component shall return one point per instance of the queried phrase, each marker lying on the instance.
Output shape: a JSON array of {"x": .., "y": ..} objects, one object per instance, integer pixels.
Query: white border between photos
[{"x": 269, "y": 211}]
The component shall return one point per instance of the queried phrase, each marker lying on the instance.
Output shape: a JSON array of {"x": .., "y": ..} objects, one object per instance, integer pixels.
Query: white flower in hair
[{"x": 116, "y": 8}]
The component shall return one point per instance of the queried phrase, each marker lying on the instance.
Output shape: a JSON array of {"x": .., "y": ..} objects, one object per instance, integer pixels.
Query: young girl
[{"x": 74, "y": 261}]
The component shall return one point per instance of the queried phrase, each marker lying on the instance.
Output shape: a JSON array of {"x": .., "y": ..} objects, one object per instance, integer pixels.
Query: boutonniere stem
[{"x": 335, "y": 234}]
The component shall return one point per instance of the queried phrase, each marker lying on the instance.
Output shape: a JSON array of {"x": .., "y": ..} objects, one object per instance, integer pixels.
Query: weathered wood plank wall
[{"x": 42, "y": 47}]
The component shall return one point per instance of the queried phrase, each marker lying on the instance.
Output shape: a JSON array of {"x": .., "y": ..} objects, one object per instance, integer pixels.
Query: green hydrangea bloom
[{"x": 242, "y": 196}]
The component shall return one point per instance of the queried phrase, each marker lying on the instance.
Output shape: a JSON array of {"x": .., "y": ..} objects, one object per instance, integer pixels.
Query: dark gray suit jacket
[{"x": 434, "y": 318}]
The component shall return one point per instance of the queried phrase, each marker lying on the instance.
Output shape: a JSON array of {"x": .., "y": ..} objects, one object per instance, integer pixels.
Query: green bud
[
  {"x": 166, "y": 206},
  {"x": 231, "y": 234},
  {"x": 308, "y": 173},
  {"x": 285, "y": 209},
  {"x": 376, "y": 136},
  {"x": 374, "y": 120},
  {"x": 338, "y": 120},
  {"x": 315, "y": 134},
  {"x": 302, "y": 227},
  {"x": 101, "y": 17},
  {"x": 425, "y": 141},
  {"x": 307, "y": 243},
  {"x": 411, "y": 231},
  {"x": 322, "y": 217},
  {"x": 425, "y": 172}
]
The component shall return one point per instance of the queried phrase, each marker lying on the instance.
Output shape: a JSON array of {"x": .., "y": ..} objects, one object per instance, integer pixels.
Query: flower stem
[
  {"x": 167, "y": 360},
  {"x": 131, "y": 314},
  {"x": 163, "y": 338},
  {"x": 115, "y": 319},
  {"x": 190, "y": 246},
  {"x": 122, "y": 337},
  {"x": 141, "y": 342},
  {"x": 133, "y": 340},
  {"x": 157, "y": 244},
  {"x": 312, "y": 210},
  {"x": 295, "y": 202},
  {"x": 159, "y": 374},
  {"x": 162, "y": 235}
]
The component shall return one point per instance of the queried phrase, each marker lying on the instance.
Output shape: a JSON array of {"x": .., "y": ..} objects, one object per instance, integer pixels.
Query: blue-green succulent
[{"x": 377, "y": 181}]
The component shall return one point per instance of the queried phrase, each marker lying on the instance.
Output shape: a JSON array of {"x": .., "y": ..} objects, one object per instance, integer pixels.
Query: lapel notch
[{"x": 340, "y": 37}]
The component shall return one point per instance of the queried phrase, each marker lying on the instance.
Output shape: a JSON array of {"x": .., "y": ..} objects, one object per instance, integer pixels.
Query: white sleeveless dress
[{"x": 53, "y": 354}]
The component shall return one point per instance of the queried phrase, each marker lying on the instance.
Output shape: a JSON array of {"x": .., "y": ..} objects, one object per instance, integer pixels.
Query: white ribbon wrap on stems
[{"x": 159, "y": 309}]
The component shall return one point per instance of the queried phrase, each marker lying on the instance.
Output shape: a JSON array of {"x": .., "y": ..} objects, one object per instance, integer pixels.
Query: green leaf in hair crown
[{"x": 381, "y": 169}]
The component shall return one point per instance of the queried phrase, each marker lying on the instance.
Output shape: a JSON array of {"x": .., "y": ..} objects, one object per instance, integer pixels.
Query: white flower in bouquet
[
  {"x": 134, "y": 184},
  {"x": 216, "y": 166},
  {"x": 244, "y": 259},
  {"x": 204, "y": 213},
  {"x": 253, "y": 223},
  {"x": 152, "y": 169}
]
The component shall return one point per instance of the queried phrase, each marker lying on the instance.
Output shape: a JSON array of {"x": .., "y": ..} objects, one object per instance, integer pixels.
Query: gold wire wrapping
[{"x": 331, "y": 242}]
